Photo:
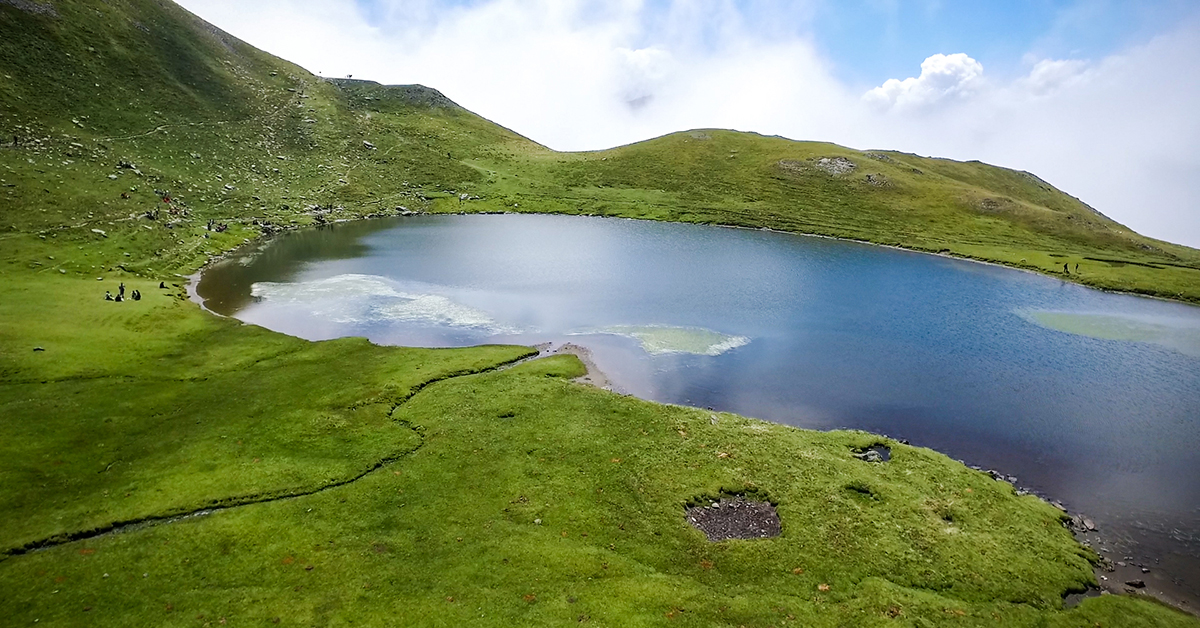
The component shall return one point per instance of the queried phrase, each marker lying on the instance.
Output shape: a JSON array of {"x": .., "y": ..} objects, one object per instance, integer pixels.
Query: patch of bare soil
[
  {"x": 594, "y": 375},
  {"x": 734, "y": 518}
]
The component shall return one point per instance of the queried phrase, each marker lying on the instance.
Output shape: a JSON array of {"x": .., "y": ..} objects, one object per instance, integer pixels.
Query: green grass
[{"x": 412, "y": 481}]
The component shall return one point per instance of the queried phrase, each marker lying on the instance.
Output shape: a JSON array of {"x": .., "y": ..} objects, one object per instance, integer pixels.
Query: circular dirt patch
[{"x": 734, "y": 518}]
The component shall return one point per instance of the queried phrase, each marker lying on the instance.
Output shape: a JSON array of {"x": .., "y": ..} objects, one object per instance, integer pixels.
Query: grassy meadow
[{"x": 163, "y": 466}]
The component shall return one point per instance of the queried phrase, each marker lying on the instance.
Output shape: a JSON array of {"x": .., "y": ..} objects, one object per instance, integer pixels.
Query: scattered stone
[
  {"x": 100, "y": 232},
  {"x": 835, "y": 165},
  {"x": 38, "y": 349},
  {"x": 734, "y": 518},
  {"x": 874, "y": 453},
  {"x": 878, "y": 180},
  {"x": 1137, "y": 584},
  {"x": 368, "y": 145},
  {"x": 869, "y": 455}
]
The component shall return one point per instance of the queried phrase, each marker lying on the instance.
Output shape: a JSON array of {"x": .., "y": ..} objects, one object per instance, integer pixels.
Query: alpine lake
[{"x": 1088, "y": 398}]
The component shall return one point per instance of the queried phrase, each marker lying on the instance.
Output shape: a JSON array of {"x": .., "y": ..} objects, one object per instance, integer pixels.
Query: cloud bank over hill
[{"x": 1119, "y": 131}]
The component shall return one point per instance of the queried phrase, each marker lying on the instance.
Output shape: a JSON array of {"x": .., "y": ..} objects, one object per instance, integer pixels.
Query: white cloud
[
  {"x": 1119, "y": 132},
  {"x": 1049, "y": 75},
  {"x": 942, "y": 76}
]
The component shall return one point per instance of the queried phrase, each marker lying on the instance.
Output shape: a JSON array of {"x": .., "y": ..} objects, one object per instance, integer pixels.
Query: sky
[{"x": 1099, "y": 97}]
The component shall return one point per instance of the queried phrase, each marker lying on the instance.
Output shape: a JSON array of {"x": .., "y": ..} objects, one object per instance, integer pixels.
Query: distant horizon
[{"x": 1096, "y": 97}]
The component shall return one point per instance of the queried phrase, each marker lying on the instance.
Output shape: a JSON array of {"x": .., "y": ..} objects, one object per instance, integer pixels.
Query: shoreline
[
  {"x": 1111, "y": 572},
  {"x": 593, "y": 377}
]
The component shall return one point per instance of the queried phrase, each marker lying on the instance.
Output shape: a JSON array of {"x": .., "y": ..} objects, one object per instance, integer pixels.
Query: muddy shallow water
[{"x": 1085, "y": 397}]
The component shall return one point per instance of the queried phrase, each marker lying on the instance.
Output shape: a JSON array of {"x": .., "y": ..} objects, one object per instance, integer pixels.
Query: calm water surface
[{"x": 1086, "y": 397}]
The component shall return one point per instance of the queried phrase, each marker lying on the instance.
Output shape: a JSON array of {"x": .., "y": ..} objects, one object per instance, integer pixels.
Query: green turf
[{"x": 411, "y": 481}]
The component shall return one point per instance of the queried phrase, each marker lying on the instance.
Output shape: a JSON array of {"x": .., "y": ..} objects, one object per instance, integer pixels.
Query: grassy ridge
[{"x": 148, "y": 142}]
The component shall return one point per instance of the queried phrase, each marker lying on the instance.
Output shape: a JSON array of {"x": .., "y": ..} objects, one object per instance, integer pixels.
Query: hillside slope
[
  {"x": 242, "y": 138},
  {"x": 262, "y": 478}
]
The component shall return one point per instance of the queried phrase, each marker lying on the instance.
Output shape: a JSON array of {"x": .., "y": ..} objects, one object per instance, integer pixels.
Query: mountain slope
[
  {"x": 142, "y": 82},
  {"x": 390, "y": 485}
]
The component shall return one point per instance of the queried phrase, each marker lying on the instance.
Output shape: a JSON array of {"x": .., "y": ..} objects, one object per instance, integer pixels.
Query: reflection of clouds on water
[
  {"x": 1173, "y": 333},
  {"x": 662, "y": 339},
  {"x": 351, "y": 299}
]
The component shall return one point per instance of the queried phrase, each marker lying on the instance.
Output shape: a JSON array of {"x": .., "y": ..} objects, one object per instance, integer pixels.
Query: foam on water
[
  {"x": 663, "y": 339},
  {"x": 1177, "y": 334},
  {"x": 351, "y": 299}
]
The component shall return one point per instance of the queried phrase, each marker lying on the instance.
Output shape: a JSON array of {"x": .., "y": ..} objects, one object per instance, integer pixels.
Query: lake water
[{"x": 1086, "y": 397}]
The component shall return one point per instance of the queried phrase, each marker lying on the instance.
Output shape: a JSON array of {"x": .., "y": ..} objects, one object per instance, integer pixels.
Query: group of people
[{"x": 136, "y": 295}]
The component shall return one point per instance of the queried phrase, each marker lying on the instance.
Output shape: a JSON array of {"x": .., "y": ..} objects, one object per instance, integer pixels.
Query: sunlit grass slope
[{"x": 392, "y": 486}]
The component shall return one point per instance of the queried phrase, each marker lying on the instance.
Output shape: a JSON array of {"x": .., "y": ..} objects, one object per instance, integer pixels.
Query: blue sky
[
  {"x": 1096, "y": 96},
  {"x": 872, "y": 40}
]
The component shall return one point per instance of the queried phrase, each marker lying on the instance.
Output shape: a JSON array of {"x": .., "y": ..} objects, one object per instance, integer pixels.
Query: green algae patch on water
[
  {"x": 664, "y": 339},
  {"x": 1175, "y": 334}
]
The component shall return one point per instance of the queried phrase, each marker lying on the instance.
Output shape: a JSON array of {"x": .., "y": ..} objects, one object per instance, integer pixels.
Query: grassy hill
[{"x": 257, "y": 478}]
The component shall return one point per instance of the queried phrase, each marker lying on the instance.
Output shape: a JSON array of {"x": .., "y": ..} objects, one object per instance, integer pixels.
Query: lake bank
[{"x": 617, "y": 347}]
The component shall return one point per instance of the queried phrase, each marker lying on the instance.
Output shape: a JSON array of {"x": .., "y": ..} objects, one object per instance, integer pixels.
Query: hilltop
[{"x": 262, "y": 478}]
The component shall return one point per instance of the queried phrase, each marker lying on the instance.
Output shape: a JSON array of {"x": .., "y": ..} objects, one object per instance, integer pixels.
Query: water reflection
[{"x": 1089, "y": 397}]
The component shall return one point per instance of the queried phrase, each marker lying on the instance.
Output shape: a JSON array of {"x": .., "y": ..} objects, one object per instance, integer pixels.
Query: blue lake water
[{"x": 1086, "y": 397}]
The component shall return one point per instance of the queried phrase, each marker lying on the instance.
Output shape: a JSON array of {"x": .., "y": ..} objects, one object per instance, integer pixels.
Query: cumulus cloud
[
  {"x": 942, "y": 76},
  {"x": 1120, "y": 132}
]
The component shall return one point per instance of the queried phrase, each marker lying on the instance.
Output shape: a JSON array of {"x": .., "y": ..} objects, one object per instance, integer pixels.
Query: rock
[
  {"x": 38, "y": 349},
  {"x": 368, "y": 145},
  {"x": 100, "y": 232},
  {"x": 870, "y": 455},
  {"x": 1144, "y": 570},
  {"x": 835, "y": 165},
  {"x": 112, "y": 176},
  {"x": 1087, "y": 523},
  {"x": 1137, "y": 584}
]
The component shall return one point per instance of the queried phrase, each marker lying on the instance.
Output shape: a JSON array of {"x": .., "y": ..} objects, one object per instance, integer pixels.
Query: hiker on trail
[
  {"x": 162, "y": 285},
  {"x": 119, "y": 298},
  {"x": 121, "y": 291},
  {"x": 137, "y": 295},
  {"x": 1076, "y": 266},
  {"x": 108, "y": 296},
  {"x": 1066, "y": 270}
]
